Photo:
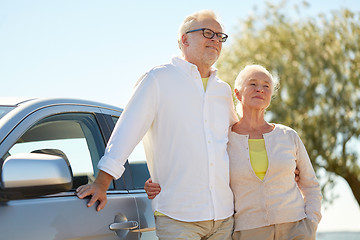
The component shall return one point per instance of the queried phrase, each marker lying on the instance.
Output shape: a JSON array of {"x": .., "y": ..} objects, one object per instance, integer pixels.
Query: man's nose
[{"x": 216, "y": 38}]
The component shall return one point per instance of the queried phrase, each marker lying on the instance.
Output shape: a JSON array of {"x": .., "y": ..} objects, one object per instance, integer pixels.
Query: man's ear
[{"x": 184, "y": 40}]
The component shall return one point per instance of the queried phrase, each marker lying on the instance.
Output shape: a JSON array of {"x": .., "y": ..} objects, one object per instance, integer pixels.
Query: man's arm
[
  {"x": 153, "y": 189},
  {"x": 97, "y": 190},
  {"x": 131, "y": 127}
]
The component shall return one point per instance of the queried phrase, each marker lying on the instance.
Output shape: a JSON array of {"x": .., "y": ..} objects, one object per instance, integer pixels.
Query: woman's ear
[{"x": 237, "y": 94}]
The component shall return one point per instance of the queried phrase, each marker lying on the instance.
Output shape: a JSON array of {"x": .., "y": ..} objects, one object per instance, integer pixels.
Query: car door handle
[{"x": 128, "y": 225}]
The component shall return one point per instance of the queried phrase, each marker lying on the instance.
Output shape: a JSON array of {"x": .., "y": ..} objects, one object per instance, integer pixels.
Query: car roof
[
  {"x": 22, "y": 107},
  {"x": 13, "y": 101},
  {"x": 17, "y": 101}
]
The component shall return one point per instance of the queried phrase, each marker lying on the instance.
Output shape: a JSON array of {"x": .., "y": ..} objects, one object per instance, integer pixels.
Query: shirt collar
[{"x": 189, "y": 68}]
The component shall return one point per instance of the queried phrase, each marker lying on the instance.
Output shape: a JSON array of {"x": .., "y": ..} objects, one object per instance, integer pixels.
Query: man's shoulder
[
  {"x": 162, "y": 68},
  {"x": 223, "y": 84}
]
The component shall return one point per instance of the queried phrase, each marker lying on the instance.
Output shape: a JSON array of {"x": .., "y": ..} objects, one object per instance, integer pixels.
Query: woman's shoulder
[{"x": 280, "y": 128}]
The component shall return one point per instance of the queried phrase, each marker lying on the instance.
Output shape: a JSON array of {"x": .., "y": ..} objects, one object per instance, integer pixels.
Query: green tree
[{"x": 318, "y": 62}]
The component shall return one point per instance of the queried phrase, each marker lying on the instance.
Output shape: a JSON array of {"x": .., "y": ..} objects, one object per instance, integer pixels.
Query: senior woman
[{"x": 269, "y": 203}]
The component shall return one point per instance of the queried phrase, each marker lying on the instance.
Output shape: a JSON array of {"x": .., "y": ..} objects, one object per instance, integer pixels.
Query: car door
[
  {"x": 77, "y": 133},
  {"x": 136, "y": 175}
]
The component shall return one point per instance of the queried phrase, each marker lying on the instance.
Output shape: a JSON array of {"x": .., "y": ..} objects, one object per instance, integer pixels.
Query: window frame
[
  {"x": 104, "y": 121},
  {"x": 127, "y": 181}
]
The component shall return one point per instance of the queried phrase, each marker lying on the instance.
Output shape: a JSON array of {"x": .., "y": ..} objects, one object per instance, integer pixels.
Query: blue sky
[{"x": 97, "y": 50}]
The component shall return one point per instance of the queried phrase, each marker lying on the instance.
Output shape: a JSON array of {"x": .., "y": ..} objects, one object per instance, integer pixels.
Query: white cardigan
[{"x": 278, "y": 198}]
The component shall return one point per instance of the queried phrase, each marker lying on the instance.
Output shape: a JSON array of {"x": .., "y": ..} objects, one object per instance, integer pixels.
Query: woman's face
[{"x": 256, "y": 92}]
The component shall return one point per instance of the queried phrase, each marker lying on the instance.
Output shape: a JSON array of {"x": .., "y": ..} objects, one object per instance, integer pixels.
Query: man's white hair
[{"x": 191, "y": 19}]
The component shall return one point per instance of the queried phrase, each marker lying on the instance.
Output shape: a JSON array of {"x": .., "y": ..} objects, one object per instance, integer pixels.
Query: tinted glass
[
  {"x": 138, "y": 165},
  {"x": 73, "y": 135}
]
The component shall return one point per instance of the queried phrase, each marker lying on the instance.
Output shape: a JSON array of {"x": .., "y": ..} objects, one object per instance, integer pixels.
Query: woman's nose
[{"x": 260, "y": 89}]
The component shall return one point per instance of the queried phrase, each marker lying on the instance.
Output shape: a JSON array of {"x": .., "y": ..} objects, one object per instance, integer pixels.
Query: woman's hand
[{"x": 152, "y": 189}]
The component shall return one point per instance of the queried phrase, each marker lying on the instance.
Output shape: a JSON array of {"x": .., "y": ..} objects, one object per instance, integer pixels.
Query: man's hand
[
  {"x": 152, "y": 189},
  {"x": 97, "y": 190},
  {"x": 297, "y": 174}
]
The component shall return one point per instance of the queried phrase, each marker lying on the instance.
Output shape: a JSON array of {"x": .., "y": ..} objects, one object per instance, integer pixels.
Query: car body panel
[{"x": 62, "y": 215}]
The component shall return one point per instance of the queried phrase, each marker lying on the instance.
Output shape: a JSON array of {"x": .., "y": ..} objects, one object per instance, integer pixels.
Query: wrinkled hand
[
  {"x": 152, "y": 189},
  {"x": 297, "y": 174},
  {"x": 97, "y": 192}
]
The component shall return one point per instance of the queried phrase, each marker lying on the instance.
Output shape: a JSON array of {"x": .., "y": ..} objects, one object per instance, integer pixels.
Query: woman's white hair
[
  {"x": 242, "y": 77},
  {"x": 191, "y": 19}
]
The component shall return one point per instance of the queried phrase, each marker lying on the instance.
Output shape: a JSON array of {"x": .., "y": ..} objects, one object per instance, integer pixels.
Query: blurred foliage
[{"x": 317, "y": 60}]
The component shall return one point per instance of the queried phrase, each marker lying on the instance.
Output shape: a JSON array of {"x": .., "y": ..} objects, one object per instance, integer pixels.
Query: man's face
[{"x": 200, "y": 50}]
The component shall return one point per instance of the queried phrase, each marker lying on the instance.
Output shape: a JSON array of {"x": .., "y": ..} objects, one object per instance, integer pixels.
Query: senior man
[{"x": 183, "y": 112}]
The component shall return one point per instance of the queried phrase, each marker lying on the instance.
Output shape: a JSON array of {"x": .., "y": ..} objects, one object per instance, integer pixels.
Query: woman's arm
[{"x": 308, "y": 183}]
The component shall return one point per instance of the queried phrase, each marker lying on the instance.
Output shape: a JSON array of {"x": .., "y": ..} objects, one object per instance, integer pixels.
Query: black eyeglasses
[{"x": 208, "y": 33}]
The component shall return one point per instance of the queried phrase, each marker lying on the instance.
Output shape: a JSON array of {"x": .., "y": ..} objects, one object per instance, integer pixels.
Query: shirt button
[
  {"x": 211, "y": 164},
  {"x": 209, "y": 141}
]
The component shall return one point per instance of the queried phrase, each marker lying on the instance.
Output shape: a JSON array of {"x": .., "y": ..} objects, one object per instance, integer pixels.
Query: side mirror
[{"x": 29, "y": 175}]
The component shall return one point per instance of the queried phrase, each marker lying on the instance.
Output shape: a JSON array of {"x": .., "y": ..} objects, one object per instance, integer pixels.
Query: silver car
[{"x": 49, "y": 147}]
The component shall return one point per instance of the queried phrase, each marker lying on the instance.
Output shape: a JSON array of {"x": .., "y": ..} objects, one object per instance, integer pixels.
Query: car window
[
  {"x": 75, "y": 135},
  {"x": 138, "y": 165}
]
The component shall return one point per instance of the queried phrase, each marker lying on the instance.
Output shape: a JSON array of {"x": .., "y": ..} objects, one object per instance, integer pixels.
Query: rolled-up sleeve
[{"x": 133, "y": 124}]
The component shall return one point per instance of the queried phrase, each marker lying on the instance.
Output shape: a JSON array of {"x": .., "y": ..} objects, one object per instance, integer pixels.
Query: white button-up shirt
[{"x": 185, "y": 134}]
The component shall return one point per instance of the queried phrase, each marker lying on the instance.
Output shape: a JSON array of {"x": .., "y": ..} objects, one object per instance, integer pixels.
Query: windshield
[{"x": 4, "y": 110}]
